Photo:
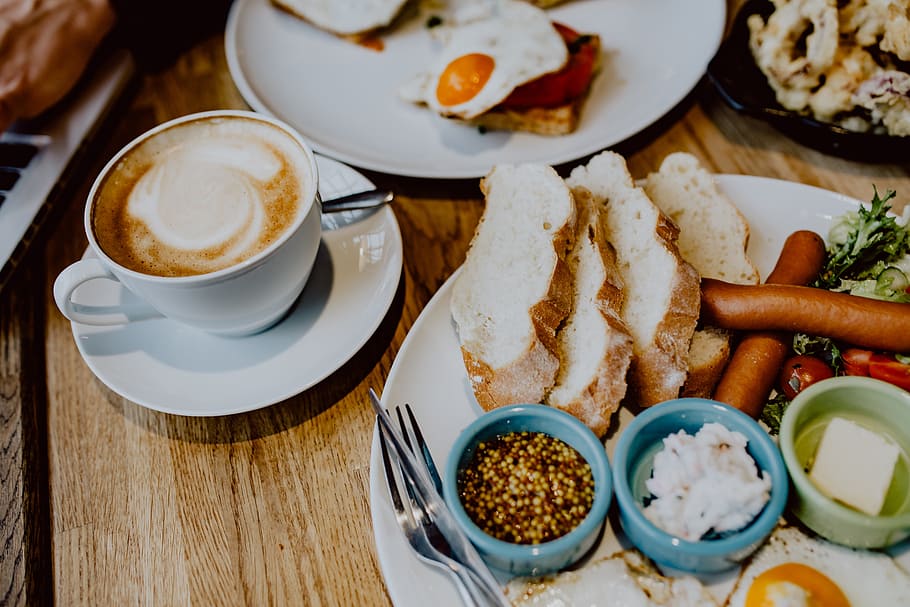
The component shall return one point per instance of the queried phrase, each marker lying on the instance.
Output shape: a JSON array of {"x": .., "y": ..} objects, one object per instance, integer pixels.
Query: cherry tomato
[
  {"x": 800, "y": 372},
  {"x": 889, "y": 369},
  {"x": 559, "y": 87},
  {"x": 856, "y": 361}
]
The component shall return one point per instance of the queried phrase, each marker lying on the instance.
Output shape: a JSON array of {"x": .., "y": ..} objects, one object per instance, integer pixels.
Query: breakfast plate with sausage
[
  {"x": 429, "y": 374},
  {"x": 360, "y": 98}
]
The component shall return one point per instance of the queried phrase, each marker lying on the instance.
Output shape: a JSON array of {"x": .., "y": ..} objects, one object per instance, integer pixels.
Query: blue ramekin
[
  {"x": 547, "y": 557},
  {"x": 632, "y": 460}
]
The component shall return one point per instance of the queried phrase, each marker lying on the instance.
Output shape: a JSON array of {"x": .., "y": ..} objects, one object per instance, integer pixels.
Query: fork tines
[{"x": 421, "y": 443}]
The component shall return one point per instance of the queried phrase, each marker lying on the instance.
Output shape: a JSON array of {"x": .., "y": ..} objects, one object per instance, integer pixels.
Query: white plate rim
[
  {"x": 470, "y": 166},
  {"x": 333, "y": 175}
]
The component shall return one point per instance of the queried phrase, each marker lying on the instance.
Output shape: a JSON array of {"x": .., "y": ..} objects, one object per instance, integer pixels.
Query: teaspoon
[{"x": 360, "y": 200}]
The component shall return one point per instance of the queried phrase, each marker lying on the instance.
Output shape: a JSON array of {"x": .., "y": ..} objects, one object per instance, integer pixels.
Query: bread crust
[
  {"x": 686, "y": 191},
  {"x": 659, "y": 364},
  {"x": 659, "y": 369},
  {"x": 528, "y": 377},
  {"x": 559, "y": 120},
  {"x": 595, "y": 403},
  {"x": 704, "y": 374}
]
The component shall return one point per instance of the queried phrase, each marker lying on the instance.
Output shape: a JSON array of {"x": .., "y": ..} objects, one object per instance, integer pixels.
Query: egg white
[
  {"x": 867, "y": 578},
  {"x": 625, "y": 579},
  {"x": 518, "y": 36}
]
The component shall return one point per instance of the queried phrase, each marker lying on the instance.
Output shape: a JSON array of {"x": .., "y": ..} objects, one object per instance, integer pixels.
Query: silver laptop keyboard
[
  {"x": 14, "y": 158},
  {"x": 35, "y": 157}
]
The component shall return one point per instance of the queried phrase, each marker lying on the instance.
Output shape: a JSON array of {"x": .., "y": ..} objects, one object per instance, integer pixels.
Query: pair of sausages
[{"x": 784, "y": 305}]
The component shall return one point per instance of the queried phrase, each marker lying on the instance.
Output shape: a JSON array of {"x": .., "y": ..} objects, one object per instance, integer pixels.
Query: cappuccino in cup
[
  {"x": 211, "y": 220},
  {"x": 200, "y": 196}
]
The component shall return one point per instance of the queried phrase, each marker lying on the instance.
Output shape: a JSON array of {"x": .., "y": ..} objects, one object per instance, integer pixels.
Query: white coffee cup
[{"x": 222, "y": 267}]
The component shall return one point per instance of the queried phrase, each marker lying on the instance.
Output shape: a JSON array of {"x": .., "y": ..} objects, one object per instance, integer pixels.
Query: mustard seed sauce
[{"x": 526, "y": 487}]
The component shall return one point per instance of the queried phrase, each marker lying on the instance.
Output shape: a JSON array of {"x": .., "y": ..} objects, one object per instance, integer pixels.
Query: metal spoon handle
[{"x": 360, "y": 200}]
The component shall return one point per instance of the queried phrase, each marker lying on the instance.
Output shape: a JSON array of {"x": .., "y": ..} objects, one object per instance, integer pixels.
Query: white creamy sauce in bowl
[{"x": 705, "y": 484}]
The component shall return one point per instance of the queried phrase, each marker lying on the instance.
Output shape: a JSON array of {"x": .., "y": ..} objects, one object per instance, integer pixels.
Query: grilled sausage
[
  {"x": 861, "y": 321},
  {"x": 754, "y": 366}
]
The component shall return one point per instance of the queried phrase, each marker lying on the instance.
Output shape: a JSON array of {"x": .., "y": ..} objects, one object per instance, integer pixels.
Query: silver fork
[
  {"x": 421, "y": 443},
  {"x": 425, "y": 498},
  {"x": 412, "y": 518}
]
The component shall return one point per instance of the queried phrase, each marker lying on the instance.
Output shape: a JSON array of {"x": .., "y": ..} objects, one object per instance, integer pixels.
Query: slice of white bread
[
  {"x": 713, "y": 238},
  {"x": 352, "y": 18},
  {"x": 709, "y": 352},
  {"x": 714, "y": 234},
  {"x": 595, "y": 347},
  {"x": 662, "y": 294},
  {"x": 515, "y": 288}
]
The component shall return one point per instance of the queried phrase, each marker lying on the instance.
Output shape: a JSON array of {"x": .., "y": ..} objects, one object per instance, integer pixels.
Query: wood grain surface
[{"x": 107, "y": 503}]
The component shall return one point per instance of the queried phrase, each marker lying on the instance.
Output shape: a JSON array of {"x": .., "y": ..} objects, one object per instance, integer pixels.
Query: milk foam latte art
[
  {"x": 212, "y": 220},
  {"x": 200, "y": 196}
]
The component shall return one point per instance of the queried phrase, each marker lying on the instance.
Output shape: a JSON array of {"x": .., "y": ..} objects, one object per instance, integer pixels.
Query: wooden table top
[{"x": 105, "y": 502}]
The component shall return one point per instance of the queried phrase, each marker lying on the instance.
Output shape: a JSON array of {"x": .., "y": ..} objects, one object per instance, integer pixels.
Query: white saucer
[{"x": 168, "y": 367}]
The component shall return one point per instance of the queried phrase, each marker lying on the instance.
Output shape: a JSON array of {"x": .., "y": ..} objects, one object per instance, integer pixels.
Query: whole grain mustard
[{"x": 526, "y": 487}]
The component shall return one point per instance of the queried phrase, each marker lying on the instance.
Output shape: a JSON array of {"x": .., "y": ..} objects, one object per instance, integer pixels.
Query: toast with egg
[
  {"x": 514, "y": 290},
  {"x": 510, "y": 68},
  {"x": 794, "y": 565},
  {"x": 661, "y": 290},
  {"x": 713, "y": 238},
  {"x": 554, "y": 117}
]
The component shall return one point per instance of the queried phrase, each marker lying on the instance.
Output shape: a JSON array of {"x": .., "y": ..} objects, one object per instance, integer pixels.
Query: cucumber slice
[{"x": 891, "y": 279}]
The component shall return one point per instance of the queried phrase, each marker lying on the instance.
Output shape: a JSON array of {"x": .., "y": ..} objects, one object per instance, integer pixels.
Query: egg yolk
[
  {"x": 463, "y": 78},
  {"x": 817, "y": 590}
]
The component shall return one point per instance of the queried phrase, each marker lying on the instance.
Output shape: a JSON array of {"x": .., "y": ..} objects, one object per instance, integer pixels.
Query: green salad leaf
[
  {"x": 821, "y": 347},
  {"x": 773, "y": 412},
  {"x": 864, "y": 243}
]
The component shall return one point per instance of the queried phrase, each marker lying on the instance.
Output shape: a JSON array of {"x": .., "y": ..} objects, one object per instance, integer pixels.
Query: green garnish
[
  {"x": 820, "y": 347},
  {"x": 774, "y": 412},
  {"x": 863, "y": 243}
]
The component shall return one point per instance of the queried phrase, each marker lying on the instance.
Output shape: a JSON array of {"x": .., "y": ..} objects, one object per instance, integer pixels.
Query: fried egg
[
  {"x": 795, "y": 570},
  {"x": 625, "y": 579},
  {"x": 486, "y": 58},
  {"x": 345, "y": 17}
]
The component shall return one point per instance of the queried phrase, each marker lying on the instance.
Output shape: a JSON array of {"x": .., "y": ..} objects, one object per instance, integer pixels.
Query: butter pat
[{"x": 854, "y": 465}]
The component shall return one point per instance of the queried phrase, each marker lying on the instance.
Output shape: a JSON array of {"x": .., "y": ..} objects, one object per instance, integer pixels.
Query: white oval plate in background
[{"x": 343, "y": 97}]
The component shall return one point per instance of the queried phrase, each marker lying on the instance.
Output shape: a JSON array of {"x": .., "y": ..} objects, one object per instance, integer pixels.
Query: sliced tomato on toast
[{"x": 569, "y": 83}]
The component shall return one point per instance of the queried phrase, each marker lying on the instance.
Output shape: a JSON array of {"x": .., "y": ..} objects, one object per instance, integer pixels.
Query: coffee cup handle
[{"x": 130, "y": 309}]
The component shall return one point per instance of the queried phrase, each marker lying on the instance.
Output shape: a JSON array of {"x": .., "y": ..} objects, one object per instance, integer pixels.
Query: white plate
[
  {"x": 168, "y": 367},
  {"x": 428, "y": 373},
  {"x": 343, "y": 97}
]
